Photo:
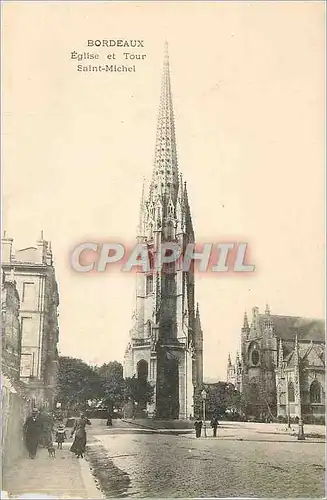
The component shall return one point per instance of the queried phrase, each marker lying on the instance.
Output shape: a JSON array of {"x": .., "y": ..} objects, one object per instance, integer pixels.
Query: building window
[
  {"x": 255, "y": 357},
  {"x": 149, "y": 284},
  {"x": 28, "y": 292},
  {"x": 27, "y": 332},
  {"x": 291, "y": 392},
  {"x": 315, "y": 392},
  {"x": 26, "y": 365}
]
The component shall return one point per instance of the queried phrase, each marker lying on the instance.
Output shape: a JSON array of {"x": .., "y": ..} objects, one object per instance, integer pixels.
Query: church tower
[{"x": 166, "y": 341}]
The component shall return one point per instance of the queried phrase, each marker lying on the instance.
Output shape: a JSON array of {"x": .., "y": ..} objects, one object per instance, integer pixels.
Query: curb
[
  {"x": 140, "y": 425},
  {"x": 159, "y": 431},
  {"x": 155, "y": 429},
  {"x": 89, "y": 481},
  {"x": 257, "y": 440}
]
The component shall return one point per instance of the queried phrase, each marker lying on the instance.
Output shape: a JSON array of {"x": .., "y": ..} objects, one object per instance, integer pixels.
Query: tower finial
[
  {"x": 166, "y": 52},
  {"x": 280, "y": 354},
  {"x": 245, "y": 320},
  {"x": 296, "y": 350},
  {"x": 267, "y": 311}
]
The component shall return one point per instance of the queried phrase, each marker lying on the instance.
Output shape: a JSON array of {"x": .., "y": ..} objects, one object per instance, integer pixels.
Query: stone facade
[
  {"x": 11, "y": 331},
  {"x": 166, "y": 341},
  {"x": 282, "y": 367},
  {"x": 15, "y": 403},
  {"x": 33, "y": 271},
  {"x": 15, "y": 407}
]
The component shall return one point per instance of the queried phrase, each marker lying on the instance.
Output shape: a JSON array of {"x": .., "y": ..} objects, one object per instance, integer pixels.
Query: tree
[
  {"x": 112, "y": 385},
  {"x": 235, "y": 402},
  {"x": 77, "y": 382},
  {"x": 138, "y": 391},
  {"x": 222, "y": 398}
]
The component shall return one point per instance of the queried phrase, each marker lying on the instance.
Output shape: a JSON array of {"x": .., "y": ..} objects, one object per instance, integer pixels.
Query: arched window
[
  {"x": 255, "y": 357},
  {"x": 315, "y": 392},
  {"x": 149, "y": 284},
  {"x": 142, "y": 370},
  {"x": 291, "y": 392}
]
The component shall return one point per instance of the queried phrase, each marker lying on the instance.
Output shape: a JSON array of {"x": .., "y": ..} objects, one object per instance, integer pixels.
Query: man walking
[
  {"x": 214, "y": 425},
  {"x": 198, "y": 427},
  {"x": 32, "y": 431}
]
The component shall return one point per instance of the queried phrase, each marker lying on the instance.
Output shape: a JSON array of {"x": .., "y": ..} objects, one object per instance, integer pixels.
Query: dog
[{"x": 51, "y": 450}]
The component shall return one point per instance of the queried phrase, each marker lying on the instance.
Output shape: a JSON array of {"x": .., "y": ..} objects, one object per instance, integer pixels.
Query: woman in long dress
[{"x": 79, "y": 443}]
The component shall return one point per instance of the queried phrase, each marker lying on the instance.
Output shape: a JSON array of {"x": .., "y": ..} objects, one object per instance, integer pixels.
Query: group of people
[
  {"x": 40, "y": 431},
  {"x": 198, "y": 426}
]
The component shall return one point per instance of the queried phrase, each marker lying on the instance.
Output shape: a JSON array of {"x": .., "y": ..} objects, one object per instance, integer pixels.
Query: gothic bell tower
[{"x": 166, "y": 341}]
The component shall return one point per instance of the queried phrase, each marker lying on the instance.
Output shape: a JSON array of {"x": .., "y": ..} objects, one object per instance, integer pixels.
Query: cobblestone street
[{"x": 165, "y": 465}]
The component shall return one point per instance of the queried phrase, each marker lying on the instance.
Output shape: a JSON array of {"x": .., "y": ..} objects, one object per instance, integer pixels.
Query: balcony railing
[{"x": 141, "y": 342}]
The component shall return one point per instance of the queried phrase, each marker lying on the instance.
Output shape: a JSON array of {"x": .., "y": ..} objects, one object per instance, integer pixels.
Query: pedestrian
[
  {"x": 198, "y": 427},
  {"x": 79, "y": 443},
  {"x": 32, "y": 431},
  {"x": 60, "y": 436},
  {"x": 214, "y": 425},
  {"x": 47, "y": 428},
  {"x": 109, "y": 421}
]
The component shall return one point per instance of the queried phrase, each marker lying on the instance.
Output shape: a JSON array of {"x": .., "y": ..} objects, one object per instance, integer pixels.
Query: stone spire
[
  {"x": 197, "y": 325},
  {"x": 267, "y": 311},
  {"x": 187, "y": 214},
  {"x": 280, "y": 355},
  {"x": 296, "y": 352},
  {"x": 229, "y": 360},
  {"x": 245, "y": 331},
  {"x": 140, "y": 229},
  {"x": 245, "y": 321},
  {"x": 165, "y": 171},
  {"x": 255, "y": 321}
]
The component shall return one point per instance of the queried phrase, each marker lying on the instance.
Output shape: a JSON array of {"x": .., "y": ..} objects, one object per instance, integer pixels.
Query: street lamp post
[
  {"x": 288, "y": 404},
  {"x": 204, "y": 397},
  {"x": 300, "y": 436}
]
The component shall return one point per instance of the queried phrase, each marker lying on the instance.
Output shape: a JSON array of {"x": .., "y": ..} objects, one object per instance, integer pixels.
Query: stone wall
[
  {"x": 15, "y": 408},
  {"x": 11, "y": 332}
]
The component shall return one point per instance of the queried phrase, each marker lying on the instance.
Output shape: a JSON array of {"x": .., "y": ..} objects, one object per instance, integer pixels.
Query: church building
[
  {"x": 281, "y": 369},
  {"x": 166, "y": 340}
]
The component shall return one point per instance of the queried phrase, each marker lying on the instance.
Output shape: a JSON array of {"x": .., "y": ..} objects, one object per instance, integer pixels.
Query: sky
[{"x": 248, "y": 94}]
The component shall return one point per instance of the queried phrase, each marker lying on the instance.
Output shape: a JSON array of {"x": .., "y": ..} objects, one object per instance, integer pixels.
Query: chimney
[
  {"x": 49, "y": 260},
  {"x": 42, "y": 247},
  {"x": 6, "y": 248}
]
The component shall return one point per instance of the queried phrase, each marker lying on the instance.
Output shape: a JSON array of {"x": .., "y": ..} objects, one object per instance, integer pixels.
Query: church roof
[
  {"x": 307, "y": 329},
  {"x": 313, "y": 355}
]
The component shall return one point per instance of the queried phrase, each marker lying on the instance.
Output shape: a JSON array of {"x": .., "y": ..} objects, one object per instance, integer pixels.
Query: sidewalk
[{"x": 64, "y": 476}]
